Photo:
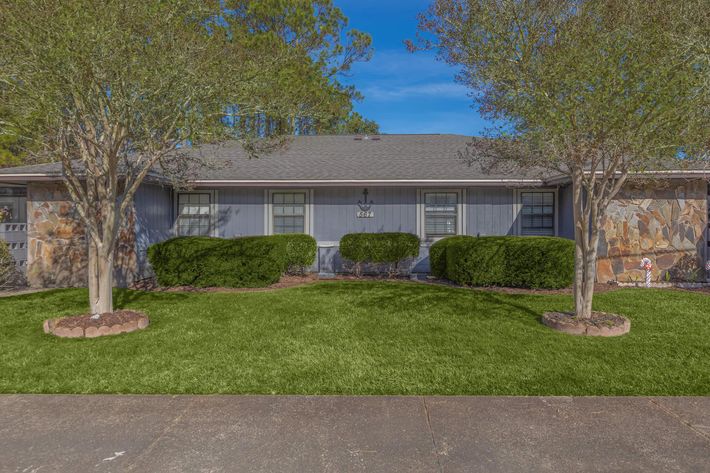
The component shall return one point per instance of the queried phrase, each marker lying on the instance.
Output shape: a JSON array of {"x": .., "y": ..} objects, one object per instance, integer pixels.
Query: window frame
[
  {"x": 16, "y": 197},
  {"x": 518, "y": 208},
  {"x": 269, "y": 209},
  {"x": 421, "y": 212},
  {"x": 213, "y": 210}
]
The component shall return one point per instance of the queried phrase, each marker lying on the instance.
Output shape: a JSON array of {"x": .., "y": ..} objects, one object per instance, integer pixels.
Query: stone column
[
  {"x": 664, "y": 221},
  {"x": 56, "y": 242}
]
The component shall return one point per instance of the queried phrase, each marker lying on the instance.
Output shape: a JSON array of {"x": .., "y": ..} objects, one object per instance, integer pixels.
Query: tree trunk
[
  {"x": 579, "y": 286},
  {"x": 590, "y": 274},
  {"x": 101, "y": 291},
  {"x": 93, "y": 276},
  {"x": 586, "y": 238}
]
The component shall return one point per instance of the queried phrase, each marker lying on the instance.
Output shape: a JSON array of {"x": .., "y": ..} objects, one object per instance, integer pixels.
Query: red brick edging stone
[
  {"x": 84, "y": 326},
  {"x": 601, "y": 324}
]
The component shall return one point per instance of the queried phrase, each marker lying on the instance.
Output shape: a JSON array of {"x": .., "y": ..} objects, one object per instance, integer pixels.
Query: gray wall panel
[
  {"x": 490, "y": 211},
  {"x": 335, "y": 211},
  {"x": 154, "y": 220},
  {"x": 565, "y": 226},
  {"x": 241, "y": 212}
]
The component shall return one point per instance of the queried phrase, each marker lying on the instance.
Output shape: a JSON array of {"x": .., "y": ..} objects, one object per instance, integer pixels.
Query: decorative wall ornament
[
  {"x": 648, "y": 266},
  {"x": 5, "y": 214},
  {"x": 365, "y": 206}
]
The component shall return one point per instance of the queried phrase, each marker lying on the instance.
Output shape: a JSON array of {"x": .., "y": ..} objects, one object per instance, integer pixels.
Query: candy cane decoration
[{"x": 646, "y": 264}]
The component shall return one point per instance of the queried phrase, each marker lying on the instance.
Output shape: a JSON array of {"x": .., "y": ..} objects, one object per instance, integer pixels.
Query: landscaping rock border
[
  {"x": 83, "y": 326},
  {"x": 601, "y": 324},
  {"x": 667, "y": 285}
]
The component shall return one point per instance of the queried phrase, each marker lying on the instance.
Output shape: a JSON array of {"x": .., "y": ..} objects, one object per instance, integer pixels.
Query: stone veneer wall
[
  {"x": 56, "y": 242},
  {"x": 665, "y": 221}
]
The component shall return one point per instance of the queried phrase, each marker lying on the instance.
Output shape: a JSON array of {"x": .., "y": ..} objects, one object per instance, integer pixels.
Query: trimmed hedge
[
  {"x": 299, "y": 251},
  {"x": 9, "y": 275},
  {"x": 217, "y": 262},
  {"x": 237, "y": 262},
  {"x": 437, "y": 255},
  {"x": 510, "y": 261},
  {"x": 380, "y": 248}
]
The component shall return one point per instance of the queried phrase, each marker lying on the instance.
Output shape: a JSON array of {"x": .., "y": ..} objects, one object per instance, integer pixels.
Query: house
[{"x": 328, "y": 186}]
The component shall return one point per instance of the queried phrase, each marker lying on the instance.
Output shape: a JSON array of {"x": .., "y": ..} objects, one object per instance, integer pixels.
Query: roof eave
[
  {"x": 362, "y": 182},
  {"x": 29, "y": 177},
  {"x": 552, "y": 181},
  {"x": 668, "y": 174}
]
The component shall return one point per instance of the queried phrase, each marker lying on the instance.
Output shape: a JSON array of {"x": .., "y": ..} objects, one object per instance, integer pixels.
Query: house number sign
[{"x": 365, "y": 207}]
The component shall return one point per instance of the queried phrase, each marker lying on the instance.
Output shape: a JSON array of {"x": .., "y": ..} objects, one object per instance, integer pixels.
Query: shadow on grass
[
  {"x": 124, "y": 297},
  {"x": 393, "y": 295},
  {"x": 42, "y": 295}
]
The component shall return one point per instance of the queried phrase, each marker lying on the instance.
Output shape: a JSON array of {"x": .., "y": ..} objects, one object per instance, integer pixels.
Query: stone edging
[
  {"x": 93, "y": 332},
  {"x": 662, "y": 285},
  {"x": 587, "y": 329}
]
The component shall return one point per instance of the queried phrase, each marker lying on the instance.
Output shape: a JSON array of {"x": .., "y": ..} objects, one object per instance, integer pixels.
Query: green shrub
[
  {"x": 218, "y": 262},
  {"x": 380, "y": 248},
  {"x": 530, "y": 262},
  {"x": 299, "y": 251},
  {"x": 437, "y": 255},
  {"x": 10, "y": 276}
]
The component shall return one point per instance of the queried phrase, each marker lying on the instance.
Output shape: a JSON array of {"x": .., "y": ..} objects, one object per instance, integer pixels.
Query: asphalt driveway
[{"x": 47, "y": 433}]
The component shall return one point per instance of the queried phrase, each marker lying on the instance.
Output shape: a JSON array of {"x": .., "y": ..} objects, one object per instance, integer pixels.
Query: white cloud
[
  {"x": 395, "y": 75},
  {"x": 394, "y": 63},
  {"x": 465, "y": 123},
  {"x": 432, "y": 90}
]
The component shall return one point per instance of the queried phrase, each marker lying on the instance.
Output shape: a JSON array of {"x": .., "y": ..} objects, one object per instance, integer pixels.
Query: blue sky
[{"x": 405, "y": 92}]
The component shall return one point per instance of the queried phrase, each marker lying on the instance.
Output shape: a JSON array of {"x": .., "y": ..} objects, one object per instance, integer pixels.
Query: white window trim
[
  {"x": 461, "y": 209},
  {"x": 518, "y": 207},
  {"x": 214, "y": 231},
  {"x": 268, "y": 209}
]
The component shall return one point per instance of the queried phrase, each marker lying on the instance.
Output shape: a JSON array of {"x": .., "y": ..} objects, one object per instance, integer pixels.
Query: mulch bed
[
  {"x": 705, "y": 290},
  {"x": 109, "y": 318},
  {"x": 599, "y": 287},
  {"x": 601, "y": 324},
  {"x": 150, "y": 284},
  {"x": 110, "y": 323},
  {"x": 284, "y": 282}
]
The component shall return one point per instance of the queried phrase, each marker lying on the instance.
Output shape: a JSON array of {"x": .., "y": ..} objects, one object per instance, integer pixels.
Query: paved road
[{"x": 342, "y": 434}]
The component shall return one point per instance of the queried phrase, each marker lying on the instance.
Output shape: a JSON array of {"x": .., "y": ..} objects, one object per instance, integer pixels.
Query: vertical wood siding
[
  {"x": 565, "y": 213},
  {"x": 490, "y": 211},
  {"x": 240, "y": 212},
  {"x": 335, "y": 211},
  {"x": 154, "y": 220}
]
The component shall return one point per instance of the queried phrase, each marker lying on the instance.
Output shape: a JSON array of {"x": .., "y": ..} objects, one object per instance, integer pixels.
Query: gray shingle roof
[
  {"x": 348, "y": 157},
  {"x": 331, "y": 157},
  {"x": 340, "y": 158},
  {"x": 46, "y": 168}
]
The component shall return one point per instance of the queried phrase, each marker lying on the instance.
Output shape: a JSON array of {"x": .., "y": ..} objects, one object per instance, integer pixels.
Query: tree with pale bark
[
  {"x": 116, "y": 89},
  {"x": 596, "y": 91}
]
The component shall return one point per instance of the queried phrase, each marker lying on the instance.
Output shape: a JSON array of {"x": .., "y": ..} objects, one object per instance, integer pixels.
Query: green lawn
[{"x": 360, "y": 338}]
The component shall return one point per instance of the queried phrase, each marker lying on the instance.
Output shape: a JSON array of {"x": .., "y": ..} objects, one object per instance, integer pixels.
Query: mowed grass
[{"x": 360, "y": 338}]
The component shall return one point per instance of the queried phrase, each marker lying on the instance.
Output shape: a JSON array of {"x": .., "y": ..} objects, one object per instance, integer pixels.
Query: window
[
  {"x": 288, "y": 212},
  {"x": 537, "y": 213},
  {"x": 13, "y": 204},
  {"x": 440, "y": 214},
  {"x": 194, "y": 214},
  {"x": 8, "y": 210}
]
